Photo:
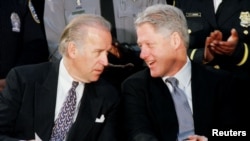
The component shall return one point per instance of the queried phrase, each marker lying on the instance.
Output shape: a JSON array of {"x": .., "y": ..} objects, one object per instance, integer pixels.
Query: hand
[
  {"x": 196, "y": 138},
  {"x": 225, "y": 47},
  {"x": 209, "y": 53},
  {"x": 2, "y": 84}
]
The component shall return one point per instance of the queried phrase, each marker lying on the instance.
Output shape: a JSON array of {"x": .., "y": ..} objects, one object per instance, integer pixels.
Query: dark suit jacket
[
  {"x": 27, "y": 106},
  {"x": 150, "y": 113},
  {"x": 202, "y": 21}
]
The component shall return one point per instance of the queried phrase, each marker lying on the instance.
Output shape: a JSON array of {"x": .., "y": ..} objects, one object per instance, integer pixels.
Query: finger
[
  {"x": 208, "y": 41},
  {"x": 223, "y": 51},
  {"x": 228, "y": 47},
  {"x": 234, "y": 33},
  {"x": 191, "y": 137},
  {"x": 216, "y": 35},
  {"x": 218, "y": 50},
  {"x": 202, "y": 138},
  {"x": 233, "y": 38},
  {"x": 197, "y": 138},
  {"x": 219, "y": 35}
]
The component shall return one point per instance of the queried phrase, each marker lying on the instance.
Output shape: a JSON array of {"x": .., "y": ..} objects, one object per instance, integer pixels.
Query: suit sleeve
[{"x": 10, "y": 101}]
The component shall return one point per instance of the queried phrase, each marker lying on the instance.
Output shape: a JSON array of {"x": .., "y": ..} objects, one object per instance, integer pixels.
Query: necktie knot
[
  {"x": 173, "y": 81},
  {"x": 74, "y": 84}
]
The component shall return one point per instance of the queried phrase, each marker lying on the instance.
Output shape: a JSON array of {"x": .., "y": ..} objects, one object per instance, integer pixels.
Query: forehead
[
  {"x": 145, "y": 31},
  {"x": 146, "y": 27},
  {"x": 98, "y": 36},
  {"x": 94, "y": 32}
]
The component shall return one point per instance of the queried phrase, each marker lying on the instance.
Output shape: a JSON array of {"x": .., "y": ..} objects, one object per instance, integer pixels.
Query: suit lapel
[
  {"x": 202, "y": 97},
  {"x": 163, "y": 110},
  {"x": 227, "y": 11},
  {"x": 90, "y": 106},
  {"x": 206, "y": 9},
  {"x": 45, "y": 99}
]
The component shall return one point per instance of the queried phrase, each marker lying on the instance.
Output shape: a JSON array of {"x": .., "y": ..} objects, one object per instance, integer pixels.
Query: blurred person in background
[
  {"x": 22, "y": 35},
  {"x": 219, "y": 33}
]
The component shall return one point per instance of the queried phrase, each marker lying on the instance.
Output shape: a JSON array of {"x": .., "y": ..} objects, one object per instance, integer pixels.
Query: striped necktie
[{"x": 183, "y": 111}]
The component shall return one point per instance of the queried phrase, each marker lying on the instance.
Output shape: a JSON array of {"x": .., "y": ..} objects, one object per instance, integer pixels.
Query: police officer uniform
[
  {"x": 203, "y": 19},
  {"x": 22, "y": 37},
  {"x": 123, "y": 11},
  {"x": 57, "y": 14}
]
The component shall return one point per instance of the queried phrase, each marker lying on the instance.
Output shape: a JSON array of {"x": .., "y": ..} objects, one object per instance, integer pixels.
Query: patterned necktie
[
  {"x": 183, "y": 111},
  {"x": 66, "y": 115}
]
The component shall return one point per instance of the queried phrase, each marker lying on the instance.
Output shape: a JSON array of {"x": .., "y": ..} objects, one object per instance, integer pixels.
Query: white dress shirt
[
  {"x": 63, "y": 87},
  {"x": 216, "y": 4}
]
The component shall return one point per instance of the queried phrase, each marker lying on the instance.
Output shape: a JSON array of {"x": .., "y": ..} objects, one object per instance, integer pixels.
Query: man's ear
[
  {"x": 72, "y": 49},
  {"x": 175, "y": 39}
]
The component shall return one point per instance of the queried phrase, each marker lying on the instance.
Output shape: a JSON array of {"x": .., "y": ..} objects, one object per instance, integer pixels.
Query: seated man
[{"x": 38, "y": 102}]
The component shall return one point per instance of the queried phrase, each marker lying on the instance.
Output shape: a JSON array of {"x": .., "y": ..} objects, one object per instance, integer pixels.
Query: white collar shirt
[
  {"x": 63, "y": 86},
  {"x": 216, "y": 4}
]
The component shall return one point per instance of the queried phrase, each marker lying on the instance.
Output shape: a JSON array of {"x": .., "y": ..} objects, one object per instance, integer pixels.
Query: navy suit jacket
[
  {"x": 150, "y": 113},
  {"x": 27, "y": 106}
]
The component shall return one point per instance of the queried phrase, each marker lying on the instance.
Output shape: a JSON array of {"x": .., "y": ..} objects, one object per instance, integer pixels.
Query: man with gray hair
[
  {"x": 64, "y": 100},
  {"x": 175, "y": 98}
]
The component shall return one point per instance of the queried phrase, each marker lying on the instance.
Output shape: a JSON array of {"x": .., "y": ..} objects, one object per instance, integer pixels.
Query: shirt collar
[
  {"x": 64, "y": 75},
  {"x": 183, "y": 75}
]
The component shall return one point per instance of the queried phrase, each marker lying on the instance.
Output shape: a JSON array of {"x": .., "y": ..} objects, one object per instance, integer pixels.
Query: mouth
[
  {"x": 98, "y": 71},
  {"x": 150, "y": 63}
]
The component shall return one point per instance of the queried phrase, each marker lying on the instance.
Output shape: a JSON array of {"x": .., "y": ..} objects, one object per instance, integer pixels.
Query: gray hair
[
  {"x": 76, "y": 31},
  {"x": 165, "y": 19}
]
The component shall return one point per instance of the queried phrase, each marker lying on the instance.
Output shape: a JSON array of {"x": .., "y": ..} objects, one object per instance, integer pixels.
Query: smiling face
[
  {"x": 87, "y": 62},
  {"x": 159, "y": 52}
]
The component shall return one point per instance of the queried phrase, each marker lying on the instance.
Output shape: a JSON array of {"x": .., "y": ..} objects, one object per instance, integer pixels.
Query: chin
[
  {"x": 154, "y": 74},
  {"x": 95, "y": 78}
]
